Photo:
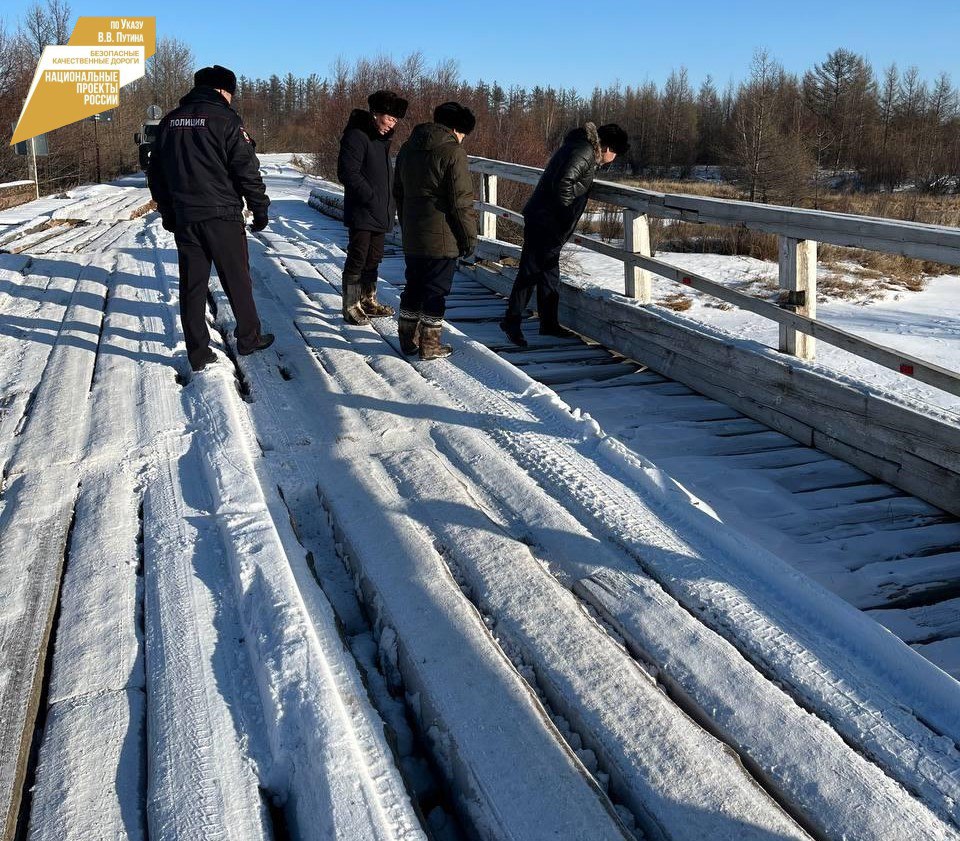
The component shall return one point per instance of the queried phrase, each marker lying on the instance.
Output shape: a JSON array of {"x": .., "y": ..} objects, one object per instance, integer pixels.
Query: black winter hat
[
  {"x": 614, "y": 138},
  {"x": 387, "y": 102},
  {"x": 455, "y": 116},
  {"x": 217, "y": 77}
]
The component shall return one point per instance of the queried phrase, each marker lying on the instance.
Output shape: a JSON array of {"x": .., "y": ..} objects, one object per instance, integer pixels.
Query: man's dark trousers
[
  {"x": 429, "y": 280},
  {"x": 364, "y": 253},
  {"x": 540, "y": 269},
  {"x": 223, "y": 243}
]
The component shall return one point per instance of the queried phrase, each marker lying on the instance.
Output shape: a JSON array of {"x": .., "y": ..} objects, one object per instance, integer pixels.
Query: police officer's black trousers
[
  {"x": 429, "y": 280},
  {"x": 539, "y": 269},
  {"x": 224, "y": 244}
]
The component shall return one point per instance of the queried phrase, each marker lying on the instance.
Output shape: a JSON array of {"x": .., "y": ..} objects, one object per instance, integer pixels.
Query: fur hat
[
  {"x": 387, "y": 102},
  {"x": 614, "y": 138},
  {"x": 217, "y": 77},
  {"x": 455, "y": 116}
]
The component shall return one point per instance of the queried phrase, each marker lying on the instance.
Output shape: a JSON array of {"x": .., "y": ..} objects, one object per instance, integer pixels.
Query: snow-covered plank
[
  {"x": 944, "y": 653},
  {"x": 64, "y": 388},
  {"x": 32, "y": 306},
  {"x": 43, "y": 466},
  {"x": 204, "y": 722},
  {"x": 35, "y": 523},
  {"x": 97, "y": 645},
  {"x": 91, "y": 775},
  {"x": 922, "y": 624},
  {"x": 342, "y": 780},
  {"x": 98, "y": 667},
  {"x": 135, "y": 395},
  {"x": 900, "y": 582},
  {"x": 678, "y": 780}
]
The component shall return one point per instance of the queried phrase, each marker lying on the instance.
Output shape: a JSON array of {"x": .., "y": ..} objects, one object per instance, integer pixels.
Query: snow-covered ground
[{"x": 324, "y": 591}]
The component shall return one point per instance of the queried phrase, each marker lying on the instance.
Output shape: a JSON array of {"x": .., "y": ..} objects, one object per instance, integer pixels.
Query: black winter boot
[
  {"x": 408, "y": 329},
  {"x": 513, "y": 332},
  {"x": 430, "y": 347},
  {"x": 352, "y": 310}
]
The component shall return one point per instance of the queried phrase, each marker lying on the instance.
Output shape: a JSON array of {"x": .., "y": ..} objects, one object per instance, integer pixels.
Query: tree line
[{"x": 781, "y": 136}]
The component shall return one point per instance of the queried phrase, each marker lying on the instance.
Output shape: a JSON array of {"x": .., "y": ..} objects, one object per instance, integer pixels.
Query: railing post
[
  {"x": 636, "y": 239},
  {"x": 798, "y": 292},
  {"x": 488, "y": 193}
]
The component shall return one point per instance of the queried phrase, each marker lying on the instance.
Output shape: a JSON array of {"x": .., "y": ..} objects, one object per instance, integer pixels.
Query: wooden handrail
[{"x": 939, "y": 243}]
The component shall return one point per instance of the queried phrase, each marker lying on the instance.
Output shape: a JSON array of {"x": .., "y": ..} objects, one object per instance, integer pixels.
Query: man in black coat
[
  {"x": 366, "y": 173},
  {"x": 550, "y": 218},
  {"x": 202, "y": 169}
]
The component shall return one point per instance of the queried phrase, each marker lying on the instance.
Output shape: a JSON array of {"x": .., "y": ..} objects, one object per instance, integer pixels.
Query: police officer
[{"x": 202, "y": 168}]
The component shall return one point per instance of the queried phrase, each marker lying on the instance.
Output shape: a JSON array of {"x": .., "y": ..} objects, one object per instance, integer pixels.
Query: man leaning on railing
[{"x": 550, "y": 218}]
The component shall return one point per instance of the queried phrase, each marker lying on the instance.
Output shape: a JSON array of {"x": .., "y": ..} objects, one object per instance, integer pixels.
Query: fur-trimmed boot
[
  {"x": 408, "y": 329},
  {"x": 368, "y": 298},
  {"x": 352, "y": 310},
  {"x": 430, "y": 346}
]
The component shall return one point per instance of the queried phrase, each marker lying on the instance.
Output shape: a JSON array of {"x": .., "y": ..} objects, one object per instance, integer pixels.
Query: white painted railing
[{"x": 799, "y": 232}]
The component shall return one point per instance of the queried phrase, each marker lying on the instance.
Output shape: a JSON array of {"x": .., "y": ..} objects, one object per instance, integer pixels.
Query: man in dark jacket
[
  {"x": 434, "y": 195},
  {"x": 202, "y": 168},
  {"x": 550, "y": 218},
  {"x": 365, "y": 171}
]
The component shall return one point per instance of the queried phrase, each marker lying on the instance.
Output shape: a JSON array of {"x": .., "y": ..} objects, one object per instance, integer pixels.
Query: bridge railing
[{"x": 798, "y": 230}]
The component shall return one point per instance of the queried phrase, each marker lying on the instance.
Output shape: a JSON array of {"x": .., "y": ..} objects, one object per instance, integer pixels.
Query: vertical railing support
[
  {"x": 636, "y": 239},
  {"x": 798, "y": 292},
  {"x": 488, "y": 193}
]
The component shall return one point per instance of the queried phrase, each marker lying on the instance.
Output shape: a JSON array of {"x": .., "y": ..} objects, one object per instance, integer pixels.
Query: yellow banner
[{"x": 84, "y": 77}]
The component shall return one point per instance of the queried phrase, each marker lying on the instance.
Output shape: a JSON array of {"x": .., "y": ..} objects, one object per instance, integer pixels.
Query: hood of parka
[
  {"x": 427, "y": 136},
  {"x": 587, "y": 133}
]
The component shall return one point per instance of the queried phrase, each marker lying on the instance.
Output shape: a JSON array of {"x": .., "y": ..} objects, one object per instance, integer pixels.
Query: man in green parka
[{"x": 434, "y": 197}]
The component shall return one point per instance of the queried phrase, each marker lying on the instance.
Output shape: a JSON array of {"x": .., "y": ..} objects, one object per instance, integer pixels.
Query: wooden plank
[
  {"x": 91, "y": 780},
  {"x": 98, "y": 646},
  {"x": 34, "y": 522},
  {"x": 798, "y": 283},
  {"x": 204, "y": 725},
  {"x": 636, "y": 240},
  {"x": 488, "y": 193},
  {"x": 64, "y": 388}
]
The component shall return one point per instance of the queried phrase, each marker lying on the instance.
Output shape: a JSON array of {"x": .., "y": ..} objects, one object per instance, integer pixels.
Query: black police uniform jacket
[
  {"x": 204, "y": 163},
  {"x": 365, "y": 170},
  {"x": 561, "y": 194}
]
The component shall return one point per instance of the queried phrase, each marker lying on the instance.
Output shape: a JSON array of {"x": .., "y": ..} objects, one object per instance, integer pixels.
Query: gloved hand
[
  {"x": 169, "y": 223},
  {"x": 260, "y": 221}
]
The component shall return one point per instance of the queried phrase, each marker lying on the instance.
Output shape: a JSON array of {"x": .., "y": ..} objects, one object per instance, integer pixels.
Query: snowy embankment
[{"x": 584, "y": 653}]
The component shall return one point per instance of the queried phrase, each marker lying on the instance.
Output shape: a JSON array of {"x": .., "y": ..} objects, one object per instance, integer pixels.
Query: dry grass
[{"x": 677, "y": 302}]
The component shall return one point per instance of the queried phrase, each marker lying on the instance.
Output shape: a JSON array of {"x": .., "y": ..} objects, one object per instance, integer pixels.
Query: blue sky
[{"x": 565, "y": 44}]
